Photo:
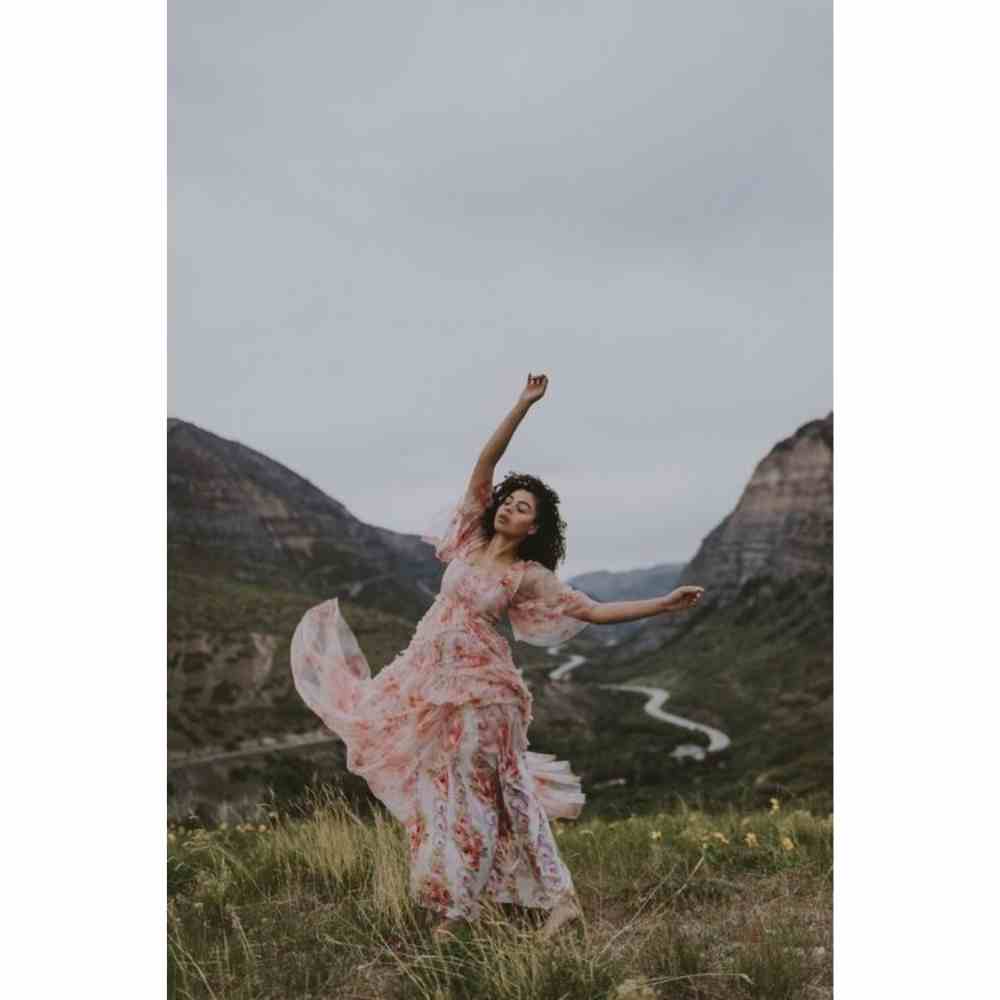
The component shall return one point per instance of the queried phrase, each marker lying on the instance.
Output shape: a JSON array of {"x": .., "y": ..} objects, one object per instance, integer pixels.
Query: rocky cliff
[
  {"x": 781, "y": 527},
  {"x": 756, "y": 658}
]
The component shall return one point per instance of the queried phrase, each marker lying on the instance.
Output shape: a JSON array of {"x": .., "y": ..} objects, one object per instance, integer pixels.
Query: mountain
[
  {"x": 782, "y": 525},
  {"x": 755, "y": 659},
  {"x": 630, "y": 584},
  {"x": 239, "y": 515},
  {"x": 780, "y": 528},
  {"x": 252, "y": 545}
]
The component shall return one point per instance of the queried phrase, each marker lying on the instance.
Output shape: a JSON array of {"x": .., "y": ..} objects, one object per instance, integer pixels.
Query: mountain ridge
[
  {"x": 780, "y": 527},
  {"x": 252, "y": 544},
  {"x": 234, "y": 511}
]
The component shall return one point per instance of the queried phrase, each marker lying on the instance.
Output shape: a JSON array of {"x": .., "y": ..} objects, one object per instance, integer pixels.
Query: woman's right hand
[
  {"x": 683, "y": 598},
  {"x": 534, "y": 389}
]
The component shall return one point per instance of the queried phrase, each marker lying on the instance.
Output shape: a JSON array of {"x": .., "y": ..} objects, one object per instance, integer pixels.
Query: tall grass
[{"x": 679, "y": 904}]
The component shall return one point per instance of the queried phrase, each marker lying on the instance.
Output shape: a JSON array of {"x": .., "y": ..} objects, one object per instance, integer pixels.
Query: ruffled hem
[
  {"x": 558, "y": 788},
  {"x": 404, "y": 718}
]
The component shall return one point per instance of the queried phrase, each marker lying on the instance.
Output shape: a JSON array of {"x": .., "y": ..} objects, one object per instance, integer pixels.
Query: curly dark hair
[{"x": 548, "y": 544}]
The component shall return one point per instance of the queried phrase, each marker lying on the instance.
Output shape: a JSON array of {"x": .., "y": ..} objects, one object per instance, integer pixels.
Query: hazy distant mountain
[{"x": 627, "y": 585}]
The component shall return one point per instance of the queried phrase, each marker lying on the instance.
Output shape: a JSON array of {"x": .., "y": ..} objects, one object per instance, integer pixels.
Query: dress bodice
[
  {"x": 488, "y": 594},
  {"x": 470, "y": 604},
  {"x": 542, "y": 610}
]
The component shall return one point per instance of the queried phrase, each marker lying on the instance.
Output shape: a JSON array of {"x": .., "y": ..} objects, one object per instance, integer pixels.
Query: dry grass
[{"x": 682, "y": 904}]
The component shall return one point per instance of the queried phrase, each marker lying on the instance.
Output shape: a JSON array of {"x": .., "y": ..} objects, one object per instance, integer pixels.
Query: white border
[{"x": 84, "y": 404}]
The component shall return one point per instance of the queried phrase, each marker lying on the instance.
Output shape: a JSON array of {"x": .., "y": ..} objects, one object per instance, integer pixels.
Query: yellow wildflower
[
  {"x": 655, "y": 835},
  {"x": 786, "y": 843},
  {"x": 775, "y": 805},
  {"x": 751, "y": 838}
]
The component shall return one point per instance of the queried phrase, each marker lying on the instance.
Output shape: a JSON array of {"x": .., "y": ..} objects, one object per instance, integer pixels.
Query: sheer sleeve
[
  {"x": 542, "y": 610},
  {"x": 454, "y": 528}
]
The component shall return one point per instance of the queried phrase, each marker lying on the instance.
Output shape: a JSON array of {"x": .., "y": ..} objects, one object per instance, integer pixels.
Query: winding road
[
  {"x": 656, "y": 696},
  {"x": 717, "y": 740}
]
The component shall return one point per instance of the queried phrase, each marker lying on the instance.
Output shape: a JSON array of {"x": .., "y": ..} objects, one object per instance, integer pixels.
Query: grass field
[{"x": 682, "y": 903}]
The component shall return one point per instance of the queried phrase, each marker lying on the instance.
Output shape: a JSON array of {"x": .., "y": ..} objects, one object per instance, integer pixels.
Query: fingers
[
  {"x": 693, "y": 595},
  {"x": 684, "y": 597}
]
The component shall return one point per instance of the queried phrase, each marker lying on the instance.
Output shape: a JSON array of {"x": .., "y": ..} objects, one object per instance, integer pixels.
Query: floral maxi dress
[{"x": 440, "y": 733}]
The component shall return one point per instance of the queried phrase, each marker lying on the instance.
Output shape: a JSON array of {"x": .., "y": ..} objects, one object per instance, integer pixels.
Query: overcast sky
[{"x": 383, "y": 215}]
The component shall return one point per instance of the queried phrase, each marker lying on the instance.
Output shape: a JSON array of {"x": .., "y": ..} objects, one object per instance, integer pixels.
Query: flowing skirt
[
  {"x": 476, "y": 803},
  {"x": 479, "y": 827}
]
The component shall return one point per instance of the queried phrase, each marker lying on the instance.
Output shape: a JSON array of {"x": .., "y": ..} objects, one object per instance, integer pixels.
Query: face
[{"x": 516, "y": 515}]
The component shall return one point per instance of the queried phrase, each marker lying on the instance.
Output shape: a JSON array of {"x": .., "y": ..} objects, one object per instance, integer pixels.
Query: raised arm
[
  {"x": 482, "y": 474},
  {"x": 612, "y": 612}
]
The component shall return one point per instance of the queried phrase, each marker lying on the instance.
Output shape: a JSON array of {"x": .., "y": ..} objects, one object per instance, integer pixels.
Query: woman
[{"x": 440, "y": 734}]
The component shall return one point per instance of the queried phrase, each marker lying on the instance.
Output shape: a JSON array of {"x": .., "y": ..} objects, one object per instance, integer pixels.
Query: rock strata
[
  {"x": 234, "y": 512},
  {"x": 782, "y": 527}
]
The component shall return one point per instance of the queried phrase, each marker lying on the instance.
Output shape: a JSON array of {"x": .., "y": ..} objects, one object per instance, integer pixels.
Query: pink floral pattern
[{"x": 440, "y": 734}]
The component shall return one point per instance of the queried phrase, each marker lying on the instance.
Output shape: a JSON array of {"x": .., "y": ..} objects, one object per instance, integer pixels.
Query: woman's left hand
[{"x": 684, "y": 597}]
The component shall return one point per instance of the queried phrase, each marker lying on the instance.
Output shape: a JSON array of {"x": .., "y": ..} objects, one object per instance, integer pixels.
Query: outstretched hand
[
  {"x": 684, "y": 597},
  {"x": 535, "y": 388}
]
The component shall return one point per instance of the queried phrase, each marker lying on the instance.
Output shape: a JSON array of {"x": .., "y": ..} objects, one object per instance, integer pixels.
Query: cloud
[{"x": 383, "y": 216}]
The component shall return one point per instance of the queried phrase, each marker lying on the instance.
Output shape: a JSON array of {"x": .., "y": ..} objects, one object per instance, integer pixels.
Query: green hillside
[{"x": 761, "y": 670}]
